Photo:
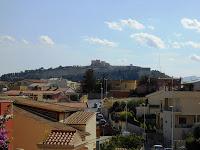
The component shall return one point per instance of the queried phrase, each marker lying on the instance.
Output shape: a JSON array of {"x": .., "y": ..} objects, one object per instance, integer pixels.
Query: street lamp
[
  {"x": 106, "y": 86},
  {"x": 172, "y": 117},
  {"x": 101, "y": 92},
  {"x": 144, "y": 121}
]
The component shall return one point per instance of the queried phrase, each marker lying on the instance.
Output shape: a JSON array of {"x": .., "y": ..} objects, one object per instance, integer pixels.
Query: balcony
[
  {"x": 183, "y": 126},
  {"x": 175, "y": 109}
]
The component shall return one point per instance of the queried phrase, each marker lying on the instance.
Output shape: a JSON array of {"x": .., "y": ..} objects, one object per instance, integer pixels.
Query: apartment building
[{"x": 181, "y": 106}]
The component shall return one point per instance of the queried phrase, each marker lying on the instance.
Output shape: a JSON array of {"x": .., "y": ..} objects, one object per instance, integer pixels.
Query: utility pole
[
  {"x": 172, "y": 137},
  {"x": 101, "y": 93},
  {"x": 144, "y": 124},
  {"x": 126, "y": 115},
  {"x": 106, "y": 86}
]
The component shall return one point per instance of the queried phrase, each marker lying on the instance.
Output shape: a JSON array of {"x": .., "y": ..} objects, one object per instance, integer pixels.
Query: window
[{"x": 182, "y": 120}]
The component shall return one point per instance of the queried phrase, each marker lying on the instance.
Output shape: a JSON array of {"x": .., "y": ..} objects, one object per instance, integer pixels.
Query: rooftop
[
  {"x": 60, "y": 137},
  {"x": 80, "y": 118},
  {"x": 58, "y": 107},
  {"x": 17, "y": 92},
  {"x": 37, "y": 129}
]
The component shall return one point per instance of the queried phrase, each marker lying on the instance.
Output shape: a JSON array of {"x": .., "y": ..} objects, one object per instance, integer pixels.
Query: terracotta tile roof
[
  {"x": 12, "y": 93},
  {"x": 67, "y": 90},
  {"x": 73, "y": 104},
  {"x": 60, "y": 137},
  {"x": 45, "y": 105},
  {"x": 34, "y": 81},
  {"x": 41, "y": 92},
  {"x": 80, "y": 117},
  {"x": 17, "y": 92}
]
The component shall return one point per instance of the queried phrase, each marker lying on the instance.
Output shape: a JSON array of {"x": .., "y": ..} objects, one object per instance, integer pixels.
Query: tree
[
  {"x": 123, "y": 115},
  {"x": 89, "y": 81},
  {"x": 146, "y": 85},
  {"x": 193, "y": 139},
  {"x": 4, "y": 141},
  {"x": 130, "y": 142}
]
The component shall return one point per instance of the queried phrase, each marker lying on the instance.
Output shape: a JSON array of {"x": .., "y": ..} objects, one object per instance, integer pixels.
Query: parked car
[
  {"x": 95, "y": 105},
  {"x": 167, "y": 148},
  {"x": 157, "y": 147},
  {"x": 102, "y": 122},
  {"x": 98, "y": 109},
  {"x": 99, "y": 116}
]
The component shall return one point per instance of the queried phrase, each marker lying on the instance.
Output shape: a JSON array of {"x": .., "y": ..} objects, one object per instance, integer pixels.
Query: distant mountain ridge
[{"x": 76, "y": 73}]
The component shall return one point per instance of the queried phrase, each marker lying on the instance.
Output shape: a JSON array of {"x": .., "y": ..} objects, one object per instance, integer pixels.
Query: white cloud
[
  {"x": 132, "y": 24},
  {"x": 25, "y": 41},
  {"x": 176, "y": 45},
  {"x": 151, "y": 27},
  {"x": 148, "y": 39},
  {"x": 7, "y": 39},
  {"x": 192, "y": 44},
  {"x": 192, "y": 24},
  {"x": 46, "y": 40},
  {"x": 195, "y": 57},
  {"x": 102, "y": 42},
  {"x": 114, "y": 25}
]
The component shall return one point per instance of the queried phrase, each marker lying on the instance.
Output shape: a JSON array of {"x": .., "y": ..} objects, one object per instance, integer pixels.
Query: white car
[
  {"x": 99, "y": 116},
  {"x": 102, "y": 122},
  {"x": 157, "y": 147}
]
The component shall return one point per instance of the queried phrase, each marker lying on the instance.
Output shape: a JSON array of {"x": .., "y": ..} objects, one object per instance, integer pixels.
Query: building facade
[
  {"x": 122, "y": 88},
  {"x": 179, "y": 110}
]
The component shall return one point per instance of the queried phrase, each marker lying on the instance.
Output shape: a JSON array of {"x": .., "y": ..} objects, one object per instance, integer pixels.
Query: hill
[{"x": 75, "y": 73}]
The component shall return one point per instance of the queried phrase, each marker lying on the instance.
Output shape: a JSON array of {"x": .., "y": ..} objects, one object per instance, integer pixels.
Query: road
[{"x": 91, "y": 103}]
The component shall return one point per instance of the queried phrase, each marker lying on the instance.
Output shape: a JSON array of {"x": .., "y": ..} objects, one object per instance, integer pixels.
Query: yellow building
[
  {"x": 122, "y": 88},
  {"x": 23, "y": 88},
  {"x": 123, "y": 85}
]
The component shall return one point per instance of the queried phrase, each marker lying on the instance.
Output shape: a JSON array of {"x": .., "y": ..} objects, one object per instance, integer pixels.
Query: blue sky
[{"x": 37, "y": 33}]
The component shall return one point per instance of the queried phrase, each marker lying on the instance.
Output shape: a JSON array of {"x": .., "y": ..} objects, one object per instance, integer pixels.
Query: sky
[{"x": 162, "y": 35}]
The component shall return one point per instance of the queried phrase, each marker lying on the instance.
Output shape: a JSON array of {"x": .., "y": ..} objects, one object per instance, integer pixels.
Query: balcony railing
[{"x": 183, "y": 126}]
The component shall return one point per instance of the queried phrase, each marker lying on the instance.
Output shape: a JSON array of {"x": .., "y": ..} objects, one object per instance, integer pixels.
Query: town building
[
  {"x": 51, "y": 94},
  {"x": 85, "y": 122},
  {"x": 51, "y": 111},
  {"x": 193, "y": 85},
  {"x": 99, "y": 63},
  {"x": 122, "y": 88},
  {"x": 169, "y": 84},
  {"x": 182, "y": 108},
  {"x": 35, "y": 132}
]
